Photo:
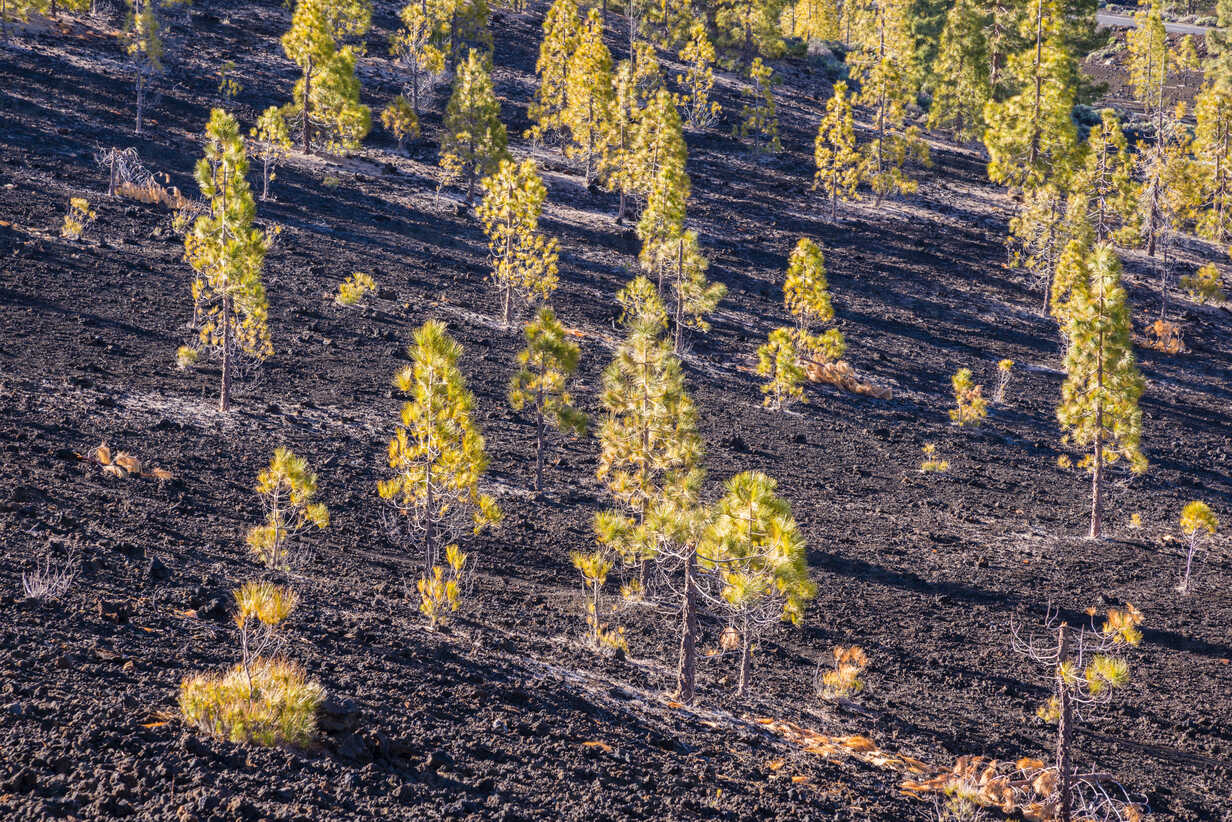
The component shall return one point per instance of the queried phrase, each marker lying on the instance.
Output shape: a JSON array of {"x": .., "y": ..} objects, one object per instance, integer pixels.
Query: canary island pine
[
  {"x": 970, "y": 407},
  {"x": 523, "y": 260},
  {"x": 286, "y": 489},
  {"x": 227, "y": 254},
  {"x": 758, "y": 552},
  {"x": 839, "y": 165},
  {"x": 759, "y": 119},
  {"x": 1198, "y": 524},
  {"x": 269, "y": 142},
  {"x": 1099, "y": 398},
  {"x": 545, "y": 365},
  {"x": 962, "y": 82},
  {"x": 418, "y": 50},
  {"x": 806, "y": 295},
  {"x": 561, "y": 33},
  {"x": 474, "y": 141},
  {"x": 440, "y": 592},
  {"x": 437, "y": 453},
  {"x": 326, "y": 97},
  {"x": 692, "y": 297},
  {"x": 589, "y": 98},
  {"x": 399, "y": 119},
  {"x": 265, "y": 699},
  {"x": 697, "y": 55},
  {"x": 779, "y": 361}
]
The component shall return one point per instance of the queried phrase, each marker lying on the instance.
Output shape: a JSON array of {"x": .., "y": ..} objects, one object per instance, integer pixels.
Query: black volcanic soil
[{"x": 490, "y": 719}]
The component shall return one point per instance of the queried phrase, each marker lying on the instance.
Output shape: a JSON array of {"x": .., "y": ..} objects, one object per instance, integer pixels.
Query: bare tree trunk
[
  {"x": 265, "y": 174},
  {"x": 686, "y": 675},
  {"x": 303, "y": 125},
  {"x": 539, "y": 440},
  {"x": 140, "y": 97},
  {"x": 745, "y": 659},
  {"x": 1064, "y": 733},
  {"x": 224, "y": 400}
]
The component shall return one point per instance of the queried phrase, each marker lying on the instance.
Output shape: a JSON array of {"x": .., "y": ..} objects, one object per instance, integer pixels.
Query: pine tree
[
  {"x": 1038, "y": 234},
  {"x": 839, "y": 164},
  {"x": 287, "y": 488},
  {"x": 589, "y": 97},
  {"x": 961, "y": 84},
  {"x": 227, "y": 253},
  {"x": 1212, "y": 149},
  {"x": 399, "y": 120},
  {"x": 1073, "y": 270},
  {"x": 779, "y": 360},
  {"x": 1149, "y": 58},
  {"x": 759, "y": 555},
  {"x": 474, "y": 142},
  {"x": 812, "y": 20},
  {"x": 1106, "y": 177},
  {"x": 417, "y": 47},
  {"x": 144, "y": 44},
  {"x": 437, "y": 453},
  {"x": 313, "y": 43},
  {"x": 523, "y": 261},
  {"x": 885, "y": 65},
  {"x": 760, "y": 119},
  {"x": 660, "y": 151},
  {"x": 1218, "y": 66},
  {"x": 463, "y": 26},
  {"x": 1099, "y": 399},
  {"x": 561, "y": 33},
  {"x": 806, "y": 296},
  {"x": 649, "y": 445},
  {"x": 750, "y": 26},
  {"x": 698, "y": 80},
  {"x": 618, "y": 166},
  {"x": 270, "y": 141},
  {"x": 679, "y": 260},
  {"x": 1030, "y": 135},
  {"x": 544, "y": 368}
]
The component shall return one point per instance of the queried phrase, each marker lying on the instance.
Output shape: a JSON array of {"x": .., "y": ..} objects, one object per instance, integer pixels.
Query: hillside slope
[{"x": 492, "y": 719}]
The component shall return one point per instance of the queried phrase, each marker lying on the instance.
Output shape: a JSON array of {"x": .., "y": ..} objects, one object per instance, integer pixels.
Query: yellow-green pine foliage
[
  {"x": 779, "y": 361},
  {"x": 353, "y": 290},
  {"x": 589, "y": 97},
  {"x": 667, "y": 197},
  {"x": 760, "y": 119},
  {"x": 697, "y": 55},
  {"x": 286, "y": 489},
  {"x": 227, "y": 253},
  {"x": 1204, "y": 285},
  {"x": 806, "y": 295},
  {"x": 461, "y": 25},
  {"x": 658, "y": 144},
  {"x": 1169, "y": 191},
  {"x": 77, "y": 219},
  {"x": 270, "y": 142},
  {"x": 755, "y": 546},
  {"x": 1106, "y": 177},
  {"x": 618, "y": 166},
  {"x": 523, "y": 260},
  {"x": 1099, "y": 398},
  {"x": 594, "y": 566},
  {"x": 1149, "y": 58},
  {"x": 961, "y": 83},
  {"x": 325, "y": 101},
  {"x": 839, "y": 164},
  {"x": 418, "y": 46},
  {"x": 1073, "y": 269},
  {"x": 561, "y": 33},
  {"x": 1218, "y": 66},
  {"x": 144, "y": 44},
  {"x": 1003, "y": 32},
  {"x": 399, "y": 120},
  {"x": 680, "y": 261},
  {"x": 437, "y": 453},
  {"x": 885, "y": 66},
  {"x": 264, "y": 699},
  {"x": 1030, "y": 134},
  {"x": 649, "y": 445},
  {"x": 439, "y": 595},
  {"x": 1198, "y": 523},
  {"x": 970, "y": 406},
  {"x": 811, "y": 20},
  {"x": 750, "y": 27},
  {"x": 1212, "y": 150},
  {"x": 474, "y": 141},
  {"x": 545, "y": 365},
  {"x": 1039, "y": 232}
]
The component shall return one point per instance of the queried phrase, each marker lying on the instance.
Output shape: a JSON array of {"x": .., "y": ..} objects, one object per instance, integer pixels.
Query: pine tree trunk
[
  {"x": 140, "y": 97},
  {"x": 507, "y": 311},
  {"x": 1064, "y": 734},
  {"x": 686, "y": 675},
  {"x": 224, "y": 400},
  {"x": 745, "y": 659},
  {"x": 303, "y": 125},
  {"x": 265, "y": 175},
  {"x": 539, "y": 441},
  {"x": 1097, "y": 482}
]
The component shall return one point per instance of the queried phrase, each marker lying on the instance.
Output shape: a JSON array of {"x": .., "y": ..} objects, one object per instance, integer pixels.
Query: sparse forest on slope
[{"x": 557, "y": 411}]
